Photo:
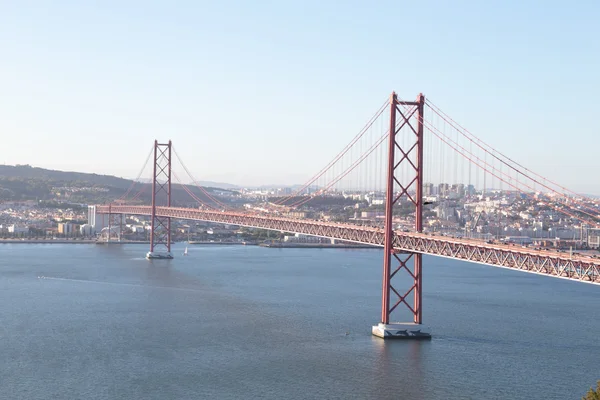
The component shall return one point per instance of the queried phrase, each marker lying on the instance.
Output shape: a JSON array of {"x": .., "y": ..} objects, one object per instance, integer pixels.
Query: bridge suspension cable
[
  {"x": 141, "y": 191},
  {"x": 190, "y": 193},
  {"x": 517, "y": 167},
  {"x": 205, "y": 192},
  {"x": 591, "y": 212},
  {"x": 338, "y": 157},
  {"x": 133, "y": 183},
  {"x": 361, "y": 167},
  {"x": 488, "y": 168},
  {"x": 379, "y": 158},
  {"x": 495, "y": 170},
  {"x": 345, "y": 172}
]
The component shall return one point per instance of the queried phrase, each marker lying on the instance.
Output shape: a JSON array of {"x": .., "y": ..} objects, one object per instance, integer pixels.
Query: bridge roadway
[{"x": 577, "y": 267}]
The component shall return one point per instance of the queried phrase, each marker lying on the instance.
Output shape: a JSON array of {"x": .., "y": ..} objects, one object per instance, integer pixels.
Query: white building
[
  {"x": 372, "y": 214},
  {"x": 137, "y": 228},
  {"x": 374, "y": 199},
  {"x": 524, "y": 215},
  {"x": 300, "y": 238},
  {"x": 17, "y": 229},
  {"x": 97, "y": 221},
  {"x": 485, "y": 206}
]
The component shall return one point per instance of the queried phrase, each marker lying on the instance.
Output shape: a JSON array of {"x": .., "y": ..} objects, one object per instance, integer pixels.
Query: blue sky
[{"x": 268, "y": 92}]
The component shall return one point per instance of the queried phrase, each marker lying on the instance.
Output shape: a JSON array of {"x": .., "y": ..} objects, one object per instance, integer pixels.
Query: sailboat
[{"x": 185, "y": 251}]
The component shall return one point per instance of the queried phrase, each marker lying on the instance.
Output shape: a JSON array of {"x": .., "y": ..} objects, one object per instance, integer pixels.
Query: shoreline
[
  {"x": 249, "y": 243},
  {"x": 201, "y": 242},
  {"x": 67, "y": 241},
  {"x": 317, "y": 246}
]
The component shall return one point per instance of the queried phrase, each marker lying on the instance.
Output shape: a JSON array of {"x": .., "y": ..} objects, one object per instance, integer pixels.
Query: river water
[{"x": 236, "y": 322}]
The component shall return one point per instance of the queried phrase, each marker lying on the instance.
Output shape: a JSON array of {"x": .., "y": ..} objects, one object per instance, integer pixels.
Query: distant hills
[
  {"x": 34, "y": 173},
  {"x": 24, "y": 182},
  {"x": 220, "y": 185}
]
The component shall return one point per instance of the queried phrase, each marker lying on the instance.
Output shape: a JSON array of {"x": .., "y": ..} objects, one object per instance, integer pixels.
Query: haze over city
[{"x": 237, "y": 86}]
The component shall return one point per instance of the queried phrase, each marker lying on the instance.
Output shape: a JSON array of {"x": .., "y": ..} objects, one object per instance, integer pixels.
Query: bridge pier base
[
  {"x": 154, "y": 255},
  {"x": 399, "y": 330}
]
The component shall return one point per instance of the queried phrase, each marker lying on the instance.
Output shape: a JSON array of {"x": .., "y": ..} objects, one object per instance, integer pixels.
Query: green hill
[{"x": 24, "y": 182}]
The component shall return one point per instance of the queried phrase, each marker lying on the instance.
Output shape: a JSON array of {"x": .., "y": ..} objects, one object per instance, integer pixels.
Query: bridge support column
[
  {"x": 407, "y": 266},
  {"x": 114, "y": 220},
  {"x": 160, "y": 231}
]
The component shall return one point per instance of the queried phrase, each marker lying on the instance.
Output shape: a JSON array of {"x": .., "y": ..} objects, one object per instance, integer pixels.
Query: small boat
[{"x": 185, "y": 252}]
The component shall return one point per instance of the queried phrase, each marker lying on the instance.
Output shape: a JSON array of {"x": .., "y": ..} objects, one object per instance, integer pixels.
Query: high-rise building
[
  {"x": 428, "y": 189},
  {"x": 97, "y": 221},
  {"x": 443, "y": 189}
]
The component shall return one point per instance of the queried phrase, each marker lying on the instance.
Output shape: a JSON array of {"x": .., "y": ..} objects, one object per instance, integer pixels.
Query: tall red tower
[
  {"x": 404, "y": 186},
  {"x": 160, "y": 233}
]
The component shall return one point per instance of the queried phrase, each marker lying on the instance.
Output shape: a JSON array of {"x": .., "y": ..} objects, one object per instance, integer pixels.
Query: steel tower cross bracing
[
  {"x": 160, "y": 231},
  {"x": 114, "y": 220},
  {"x": 404, "y": 183}
]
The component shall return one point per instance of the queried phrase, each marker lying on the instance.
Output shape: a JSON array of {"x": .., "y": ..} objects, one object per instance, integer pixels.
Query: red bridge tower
[
  {"x": 160, "y": 232},
  {"x": 404, "y": 184}
]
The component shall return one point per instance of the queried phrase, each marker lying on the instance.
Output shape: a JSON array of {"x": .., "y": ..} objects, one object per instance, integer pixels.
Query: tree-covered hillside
[{"x": 23, "y": 182}]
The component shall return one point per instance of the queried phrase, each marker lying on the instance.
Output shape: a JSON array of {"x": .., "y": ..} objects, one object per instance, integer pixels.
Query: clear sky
[{"x": 263, "y": 92}]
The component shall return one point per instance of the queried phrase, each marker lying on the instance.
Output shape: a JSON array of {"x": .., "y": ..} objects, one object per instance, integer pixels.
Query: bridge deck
[{"x": 577, "y": 267}]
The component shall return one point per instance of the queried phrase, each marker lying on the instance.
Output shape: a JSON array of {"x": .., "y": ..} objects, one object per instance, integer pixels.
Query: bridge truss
[{"x": 577, "y": 267}]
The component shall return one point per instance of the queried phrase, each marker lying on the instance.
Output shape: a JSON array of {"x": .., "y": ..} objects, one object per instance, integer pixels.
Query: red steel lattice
[
  {"x": 411, "y": 160},
  {"x": 160, "y": 233},
  {"x": 114, "y": 220},
  {"x": 578, "y": 267}
]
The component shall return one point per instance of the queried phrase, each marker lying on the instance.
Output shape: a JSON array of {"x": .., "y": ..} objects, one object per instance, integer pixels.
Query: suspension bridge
[{"x": 395, "y": 158}]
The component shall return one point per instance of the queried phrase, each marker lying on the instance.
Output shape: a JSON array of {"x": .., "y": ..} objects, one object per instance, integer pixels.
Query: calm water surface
[{"x": 98, "y": 322}]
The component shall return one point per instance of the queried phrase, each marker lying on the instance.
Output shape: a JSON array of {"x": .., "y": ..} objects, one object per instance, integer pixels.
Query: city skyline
[
  {"x": 88, "y": 88},
  {"x": 478, "y": 188}
]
